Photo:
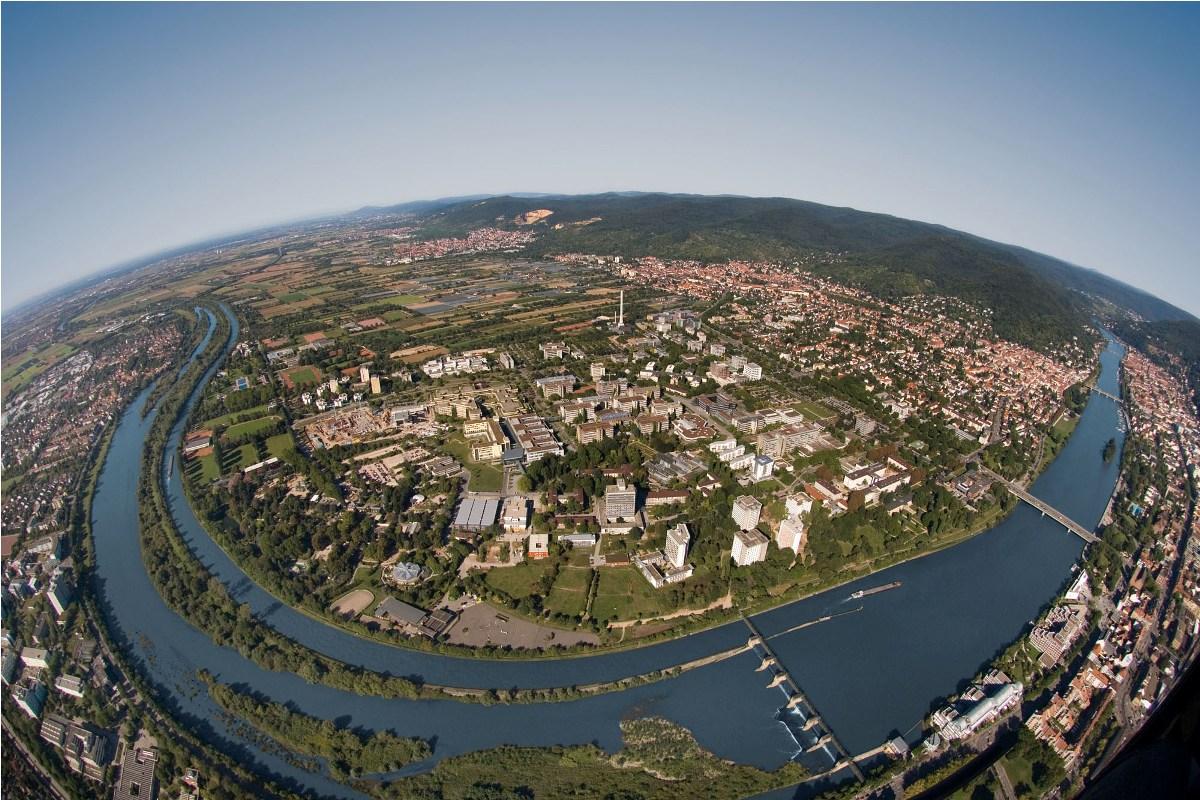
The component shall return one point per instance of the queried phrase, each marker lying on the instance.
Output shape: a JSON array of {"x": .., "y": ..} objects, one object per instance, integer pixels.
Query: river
[{"x": 869, "y": 674}]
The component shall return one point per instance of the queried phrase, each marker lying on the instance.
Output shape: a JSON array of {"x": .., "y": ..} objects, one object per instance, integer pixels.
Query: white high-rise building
[
  {"x": 597, "y": 370},
  {"x": 791, "y": 535},
  {"x": 620, "y": 501},
  {"x": 798, "y": 504},
  {"x": 364, "y": 374},
  {"x": 752, "y": 371},
  {"x": 678, "y": 539},
  {"x": 762, "y": 468},
  {"x": 749, "y": 547},
  {"x": 746, "y": 511},
  {"x": 621, "y": 311}
]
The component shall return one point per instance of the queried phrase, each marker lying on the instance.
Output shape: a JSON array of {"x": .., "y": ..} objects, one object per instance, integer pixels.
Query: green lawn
[
  {"x": 398, "y": 300},
  {"x": 250, "y": 427},
  {"x": 208, "y": 469},
  {"x": 225, "y": 419},
  {"x": 813, "y": 410},
  {"x": 623, "y": 592},
  {"x": 238, "y": 458},
  {"x": 484, "y": 477},
  {"x": 519, "y": 581},
  {"x": 280, "y": 444},
  {"x": 574, "y": 579},
  {"x": 569, "y": 595},
  {"x": 291, "y": 297},
  {"x": 303, "y": 376},
  {"x": 1019, "y": 770}
]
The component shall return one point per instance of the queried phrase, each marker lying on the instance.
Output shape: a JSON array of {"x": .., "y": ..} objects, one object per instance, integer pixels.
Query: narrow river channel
[{"x": 870, "y": 674}]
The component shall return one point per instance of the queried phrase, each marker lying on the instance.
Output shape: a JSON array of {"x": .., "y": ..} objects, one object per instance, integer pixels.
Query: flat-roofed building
[
  {"x": 477, "y": 513},
  {"x": 515, "y": 515},
  {"x": 749, "y": 547},
  {"x": 137, "y": 781},
  {"x": 761, "y": 468},
  {"x": 395, "y": 610},
  {"x": 666, "y": 497},
  {"x": 30, "y": 697},
  {"x": 620, "y": 501},
  {"x": 539, "y": 545},
  {"x": 534, "y": 437},
  {"x": 676, "y": 549},
  {"x": 86, "y": 749},
  {"x": 556, "y": 385},
  {"x": 588, "y": 432},
  {"x": 791, "y": 535},
  {"x": 746, "y": 511}
]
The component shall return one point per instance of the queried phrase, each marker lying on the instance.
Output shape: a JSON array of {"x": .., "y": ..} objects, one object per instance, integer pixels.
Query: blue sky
[{"x": 1067, "y": 129}]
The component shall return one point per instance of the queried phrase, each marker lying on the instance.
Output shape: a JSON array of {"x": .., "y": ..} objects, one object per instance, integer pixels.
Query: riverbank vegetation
[
  {"x": 659, "y": 761},
  {"x": 142, "y": 705},
  {"x": 347, "y": 751}
]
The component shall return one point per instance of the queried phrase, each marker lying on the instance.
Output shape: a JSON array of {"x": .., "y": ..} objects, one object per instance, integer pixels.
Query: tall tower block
[{"x": 621, "y": 311}]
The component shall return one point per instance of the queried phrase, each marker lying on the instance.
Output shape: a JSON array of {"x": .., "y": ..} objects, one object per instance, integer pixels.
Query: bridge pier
[{"x": 824, "y": 740}]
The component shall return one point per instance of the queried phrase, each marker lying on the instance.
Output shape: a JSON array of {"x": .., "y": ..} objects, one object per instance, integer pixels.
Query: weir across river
[{"x": 796, "y": 698}]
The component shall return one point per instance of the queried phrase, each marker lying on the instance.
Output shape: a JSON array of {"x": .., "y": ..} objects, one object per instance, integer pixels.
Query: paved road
[
  {"x": 34, "y": 764},
  {"x": 1005, "y": 784}
]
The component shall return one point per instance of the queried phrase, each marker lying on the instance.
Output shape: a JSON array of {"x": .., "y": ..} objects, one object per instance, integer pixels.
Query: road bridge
[
  {"x": 1044, "y": 507},
  {"x": 1103, "y": 393}
]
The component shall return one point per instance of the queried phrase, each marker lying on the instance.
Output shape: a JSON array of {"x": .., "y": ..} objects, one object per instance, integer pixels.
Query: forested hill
[{"x": 1036, "y": 299}]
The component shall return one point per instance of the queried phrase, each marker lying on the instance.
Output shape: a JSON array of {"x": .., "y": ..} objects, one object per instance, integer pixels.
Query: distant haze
[{"x": 1070, "y": 130}]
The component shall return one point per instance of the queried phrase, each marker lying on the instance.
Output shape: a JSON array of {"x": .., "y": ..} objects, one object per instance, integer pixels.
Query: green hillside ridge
[{"x": 885, "y": 255}]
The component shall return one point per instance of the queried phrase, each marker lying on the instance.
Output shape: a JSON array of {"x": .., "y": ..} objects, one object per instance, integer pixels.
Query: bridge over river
[{"x": 1047, "y": 510}]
